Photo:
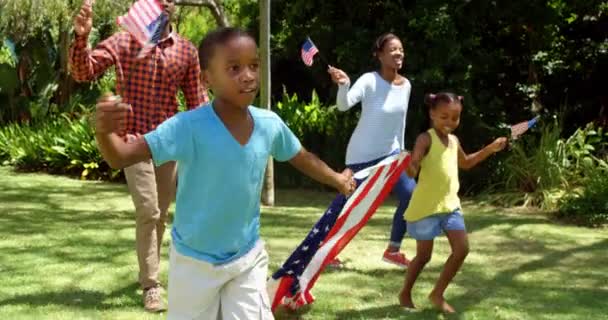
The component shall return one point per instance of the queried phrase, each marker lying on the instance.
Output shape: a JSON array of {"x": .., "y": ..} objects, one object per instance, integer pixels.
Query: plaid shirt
[{"x": 149, "y": 84}]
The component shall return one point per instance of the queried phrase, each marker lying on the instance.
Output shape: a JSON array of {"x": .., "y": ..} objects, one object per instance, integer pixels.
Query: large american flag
[
  {"x": 520, "y": 128},
  {"x": 145, "y": 21},
  {"x": 290, "y": 286},
  {"x": 308, "y": 52}
]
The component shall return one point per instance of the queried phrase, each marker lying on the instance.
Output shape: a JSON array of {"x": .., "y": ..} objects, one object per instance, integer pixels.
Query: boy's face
[
  {"x": 446, "y": 117},
  {"x": 233, "y": 72}
]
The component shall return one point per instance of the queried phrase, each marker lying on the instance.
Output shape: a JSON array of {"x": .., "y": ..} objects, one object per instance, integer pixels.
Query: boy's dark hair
[
  {"x": 381, "y": 41},
  {"x": 217, "y": 37},
  {"x": 432, "y": 100}
]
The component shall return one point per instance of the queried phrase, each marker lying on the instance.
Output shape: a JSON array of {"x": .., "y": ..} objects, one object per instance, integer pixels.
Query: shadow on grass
[
  {"x": 40, "y": 210},
  {"x": 319, "y": 201},
  {"x": 69, "y": 223},
  {"x": 531, "y": 295},
  {"x": 380, "y": 312},
  {"x": 79, "y": 298},
  {"x": 395, "y": 312},
  {"x": 563, "y": 298},
  {"x": 38, "y": 221}
]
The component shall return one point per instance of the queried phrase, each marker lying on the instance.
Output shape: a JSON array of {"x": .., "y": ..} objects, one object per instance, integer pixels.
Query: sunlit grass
[{"x": 67, "y": 252}]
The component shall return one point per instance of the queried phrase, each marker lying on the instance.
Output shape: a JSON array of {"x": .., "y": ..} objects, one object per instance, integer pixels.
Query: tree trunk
[
  {"x": 65, "y": 80},
  {"x": 215, "y": 6},
  {"x": 23, "y": 70},
  {"x": 265, "y": 100},
  {"x": 534, "y": 39}
]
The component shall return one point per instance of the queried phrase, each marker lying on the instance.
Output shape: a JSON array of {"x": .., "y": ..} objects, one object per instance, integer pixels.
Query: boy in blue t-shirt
[{"x": 218, "y": 265}]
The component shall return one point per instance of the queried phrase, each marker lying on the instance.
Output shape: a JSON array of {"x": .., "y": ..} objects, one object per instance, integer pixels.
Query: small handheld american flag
[
  {"x": 520, "y": 128},
  {"x": 308, "y": 52},
  {"x": 145, "y": 21}
]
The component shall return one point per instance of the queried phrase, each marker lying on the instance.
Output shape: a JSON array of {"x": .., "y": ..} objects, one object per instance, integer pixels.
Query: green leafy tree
[{"x": 41, "y": 32}]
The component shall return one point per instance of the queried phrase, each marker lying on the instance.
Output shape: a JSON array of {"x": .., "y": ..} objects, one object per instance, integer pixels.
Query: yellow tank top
[{"x": 437, "y": 188}]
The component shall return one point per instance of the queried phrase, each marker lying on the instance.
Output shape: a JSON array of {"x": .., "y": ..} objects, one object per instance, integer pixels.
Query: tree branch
[{"x": 215, "y": 6}]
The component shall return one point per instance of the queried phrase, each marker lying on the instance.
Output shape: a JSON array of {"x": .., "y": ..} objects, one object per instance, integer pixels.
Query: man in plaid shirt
[{"x": 150, "y": 86}]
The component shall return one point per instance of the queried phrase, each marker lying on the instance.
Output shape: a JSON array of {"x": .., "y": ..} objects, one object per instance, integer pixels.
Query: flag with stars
[
  {"x": 308, "y": 51},
  {"x": 145, "y": 21},
  {"x": 290, "y": 286}
]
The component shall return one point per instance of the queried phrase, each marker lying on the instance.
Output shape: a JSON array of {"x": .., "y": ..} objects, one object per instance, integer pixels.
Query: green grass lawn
[{"x": 67, "y": 252}]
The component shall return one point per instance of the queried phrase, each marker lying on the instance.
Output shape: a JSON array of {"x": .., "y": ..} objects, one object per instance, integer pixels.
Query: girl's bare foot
[
  {"x": 405, "y": 300},
  {"x": 439, "y": 302}
]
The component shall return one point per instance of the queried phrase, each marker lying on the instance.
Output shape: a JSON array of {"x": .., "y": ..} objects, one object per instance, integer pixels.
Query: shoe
[
  {"x": 153, "y": 301},
  {"x": 397, "y": 258}
]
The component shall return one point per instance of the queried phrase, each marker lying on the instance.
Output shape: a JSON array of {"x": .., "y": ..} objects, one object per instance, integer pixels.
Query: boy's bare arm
[
  {"x": 315, "y": 168},
  {"x": 110, "y": 118}
]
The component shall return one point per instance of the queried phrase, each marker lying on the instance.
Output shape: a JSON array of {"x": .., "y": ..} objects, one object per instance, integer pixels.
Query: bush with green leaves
[
  {"x": 64, "y": 144},
  {"x": 322, "y": 129},
  {"x": 319, "y": 126},
  {"x": 542, "y": 168},
  {"x": 587, "y": 148},
  {"x": 587, "y": 205},
  {"x": 536, "y": 167},
  {"x": 59, "y": 145}
]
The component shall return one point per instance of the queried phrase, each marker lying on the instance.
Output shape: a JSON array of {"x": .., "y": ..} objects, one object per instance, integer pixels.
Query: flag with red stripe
[
  {"x": 308, "y": 51},
  {"x": 290, "y": 286},
  {"x": 145, "y": 21}
]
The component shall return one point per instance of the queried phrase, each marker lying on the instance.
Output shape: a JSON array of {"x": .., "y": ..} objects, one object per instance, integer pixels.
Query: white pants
[{"x": 234, "y": 291}]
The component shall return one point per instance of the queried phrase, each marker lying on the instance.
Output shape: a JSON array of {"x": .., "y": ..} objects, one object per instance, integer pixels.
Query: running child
[
  {"x": 435, "y": 205},
  {"x": 218, "y": 264}
]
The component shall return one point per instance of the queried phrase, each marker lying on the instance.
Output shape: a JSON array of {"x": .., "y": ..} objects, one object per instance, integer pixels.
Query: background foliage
[{"x": 511, "y": 60}]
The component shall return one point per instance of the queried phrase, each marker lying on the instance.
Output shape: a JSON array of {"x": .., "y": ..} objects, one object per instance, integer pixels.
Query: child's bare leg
[
  {"x": 460, "y": 249},
  {"x": 424, "y": 251}
]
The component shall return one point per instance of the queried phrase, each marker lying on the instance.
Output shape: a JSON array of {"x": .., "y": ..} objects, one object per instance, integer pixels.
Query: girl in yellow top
[{"x": 435, "y": 206}]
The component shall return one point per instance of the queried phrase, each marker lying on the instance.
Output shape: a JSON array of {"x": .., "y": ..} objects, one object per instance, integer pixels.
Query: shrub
[
  {"x": 540, "y": 169},
  {"x": 58, "y": 145},
  {"x": 323, "y": 130},
  {"x": 536, "y": 167},
  {"x": 587, "y": 205}
]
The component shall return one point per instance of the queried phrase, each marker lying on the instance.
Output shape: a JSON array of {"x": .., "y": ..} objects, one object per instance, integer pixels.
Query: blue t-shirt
[{"x": 217, "y": 215}]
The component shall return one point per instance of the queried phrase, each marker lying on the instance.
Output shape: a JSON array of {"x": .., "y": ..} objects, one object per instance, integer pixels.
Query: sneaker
[
  {"x": 397, "y": 258},
  {"x": 153, "y": 301}
]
